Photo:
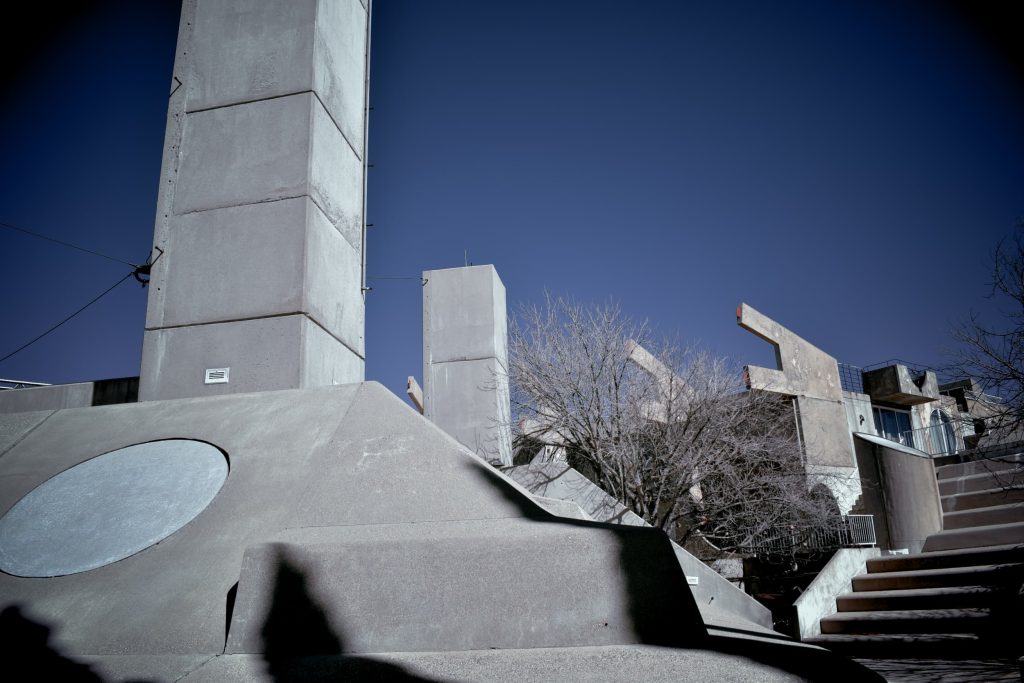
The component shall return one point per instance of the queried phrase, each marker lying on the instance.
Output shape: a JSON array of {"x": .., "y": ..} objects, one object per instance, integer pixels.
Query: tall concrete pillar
[
  {"x": 465, "y": 359},
  {"x": 260, "y": 213}
]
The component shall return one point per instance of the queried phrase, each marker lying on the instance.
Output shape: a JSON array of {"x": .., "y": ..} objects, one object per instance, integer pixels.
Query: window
[
  {"x": 894, "y": 425},
  {"x": 941, "y": 434}
]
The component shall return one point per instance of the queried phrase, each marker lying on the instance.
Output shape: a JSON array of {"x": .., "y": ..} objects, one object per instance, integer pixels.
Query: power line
[
  {"x": 66, "y": 244},
  {"x": 30, "y": 343}
]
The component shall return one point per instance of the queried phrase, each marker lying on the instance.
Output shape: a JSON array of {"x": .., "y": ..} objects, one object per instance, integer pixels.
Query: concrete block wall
[
  {"x": 465, "y": 359},
  {"x": 260, "y": 215}
]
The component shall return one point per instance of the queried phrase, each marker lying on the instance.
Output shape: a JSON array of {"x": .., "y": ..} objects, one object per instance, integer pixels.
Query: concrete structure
[
  {"x": 259, "y": 224},
  {"x": 349, "y": 525},
  {"x": 78, "y": 395},
  {"x": 465, "y": 359},
  {"x": 720, "y": 602},
  {"x": 811, "y": 377},
  {"x": 819, "y": 599}
]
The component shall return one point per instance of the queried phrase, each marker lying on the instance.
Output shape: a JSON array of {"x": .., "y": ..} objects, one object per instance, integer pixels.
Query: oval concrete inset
[{"x": 110, "y": 507}]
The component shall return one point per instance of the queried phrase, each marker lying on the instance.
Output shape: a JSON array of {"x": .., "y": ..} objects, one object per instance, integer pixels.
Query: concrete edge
[{"x": 835, "y": 578}]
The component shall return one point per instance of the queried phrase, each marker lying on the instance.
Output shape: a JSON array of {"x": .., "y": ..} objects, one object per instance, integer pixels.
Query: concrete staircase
[{"x": 961, "y": 594}]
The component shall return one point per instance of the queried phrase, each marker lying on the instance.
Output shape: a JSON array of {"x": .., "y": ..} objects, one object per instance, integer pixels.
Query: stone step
[
  {"x": 949, "y": 597},
  {"x": 997, "y": 514},
  {"x": 979, "y": 575},
  {"x": 976, "y": 537},
  {"x": 907, "y": 645},
  {"x": 981, "y": 482},
  {"x": 982, "y": 499},
  {"x": 963, "y": 557},
  {"x": 1008, "y": 462},
  {"x": 963, "y": 620}
]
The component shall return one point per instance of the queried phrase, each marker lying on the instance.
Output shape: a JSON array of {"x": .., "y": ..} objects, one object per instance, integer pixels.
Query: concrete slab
[
  {"x": 430, "y": 586},
  {"x": 52, "y": 397}
]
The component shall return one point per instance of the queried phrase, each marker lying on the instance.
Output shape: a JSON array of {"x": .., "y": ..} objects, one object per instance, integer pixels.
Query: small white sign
[
  {"x": 692, "y": 580},
  {"x": 217, "y": 375}
]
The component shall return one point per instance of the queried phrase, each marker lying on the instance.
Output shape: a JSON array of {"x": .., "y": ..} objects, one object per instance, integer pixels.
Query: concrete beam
[{"x": 811, "y": 376}]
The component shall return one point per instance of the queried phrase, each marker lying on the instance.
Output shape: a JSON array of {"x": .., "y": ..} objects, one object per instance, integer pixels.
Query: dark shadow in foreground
[
  {"x": 299, "y": 643},
  {"x": 26, "y": 647}
]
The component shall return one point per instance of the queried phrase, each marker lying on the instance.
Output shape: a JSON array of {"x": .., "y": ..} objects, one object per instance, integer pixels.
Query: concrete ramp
[{"x": 395, "y": 537}]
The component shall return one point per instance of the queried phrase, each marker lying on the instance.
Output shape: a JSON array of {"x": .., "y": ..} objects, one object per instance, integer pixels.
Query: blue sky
[{"x": 844, "y": 167}]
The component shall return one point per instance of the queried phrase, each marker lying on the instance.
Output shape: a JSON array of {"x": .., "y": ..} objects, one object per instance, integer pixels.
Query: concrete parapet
[
  {"x": 429, "y": 587},
  {"x": 713, "y": 593},
  {"x": 465, "y": 359},
  {"x": 52, "y": 397},
  {"x": 819, "y": 598},
  {"x": 900, "y": 489}
]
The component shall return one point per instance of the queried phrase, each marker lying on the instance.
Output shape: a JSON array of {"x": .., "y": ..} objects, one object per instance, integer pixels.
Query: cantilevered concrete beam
[{"x": 811, "y": 376}]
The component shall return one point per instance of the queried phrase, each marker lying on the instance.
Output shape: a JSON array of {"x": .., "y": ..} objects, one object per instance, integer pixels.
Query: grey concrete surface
[
  {"x": 14, "y": 427},
  {"x": 289, "y": 351},
  {"x": 53, "y": 397},
  {"x": 715, "y": 595},
  {"x": 346, "y": 456},
  {"x": 110, "y": 507},
  {"x": 465, "y": 359},
  {"x": 894, "y": 384},
  {"x": 900, "y": 489},
  {"x": 767, "y": 663},
  {"x": 430, "y": 586},
  {"x": 819, "y": 598},
  {"x": 812, "y": 376},
  {"x": 283, "y": 271},
  {"x": 261, "y": 202}
]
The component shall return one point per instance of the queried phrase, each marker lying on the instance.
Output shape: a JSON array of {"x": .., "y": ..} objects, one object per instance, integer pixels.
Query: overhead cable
[
  {"x": 66, "y": 244},
  {"x": 33, "y": 341}
]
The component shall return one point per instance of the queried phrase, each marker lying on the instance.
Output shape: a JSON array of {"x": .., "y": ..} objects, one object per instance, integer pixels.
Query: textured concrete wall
[
  {"x": 260, "y": 212},
  {"x": 713, "y": 593},
  {"x": 901, "y": 491},
  {"x": 812, "y": 376},
  {"x": 835, "y": 578},
  {"x": 46, "y": 398},
  {"x": 465, "y": 359}
]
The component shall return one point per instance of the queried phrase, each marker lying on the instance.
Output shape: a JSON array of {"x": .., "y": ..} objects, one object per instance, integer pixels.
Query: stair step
[
  {"x": 982, "y": 499},
  {"x": 976, "y": 537},
  {"x": 981, "y": 482},
  {"x": 948, "y": 597},
  {"x": 996, "y": 514},
  {"x": 977, "y": 575},
  {"x": 1007, "y": 462},
  {"x": 905, "y": 645},
  {"x": 961, "y": 620},
  {"x": 962, "y": 557}
]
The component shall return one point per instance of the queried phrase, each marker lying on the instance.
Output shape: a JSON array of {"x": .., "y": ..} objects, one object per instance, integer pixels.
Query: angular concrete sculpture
[
  {"x": 259, "y": 225},
  {"x": 465, "y": 359},
  {"x": 811, "y": 376}
]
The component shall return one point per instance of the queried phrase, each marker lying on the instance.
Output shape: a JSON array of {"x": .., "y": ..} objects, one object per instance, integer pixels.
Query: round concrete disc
[{"x": 110, "y": 507}]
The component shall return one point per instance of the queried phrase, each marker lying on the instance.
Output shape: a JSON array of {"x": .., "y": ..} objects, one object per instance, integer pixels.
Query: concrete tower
[{"x": 259, "y": 229}]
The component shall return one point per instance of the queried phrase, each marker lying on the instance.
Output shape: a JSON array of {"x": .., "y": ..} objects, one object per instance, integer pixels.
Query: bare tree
[
  {"x": 669, "y": 432},
  {"x": 992, "y": 355}
]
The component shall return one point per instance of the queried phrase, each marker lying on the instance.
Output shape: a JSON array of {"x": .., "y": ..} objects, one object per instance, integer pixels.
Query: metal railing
[
  {"x": 19, "y": 384},
  {"x": 850, "y": 378},
  {"x": 855, "y": 530}
]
